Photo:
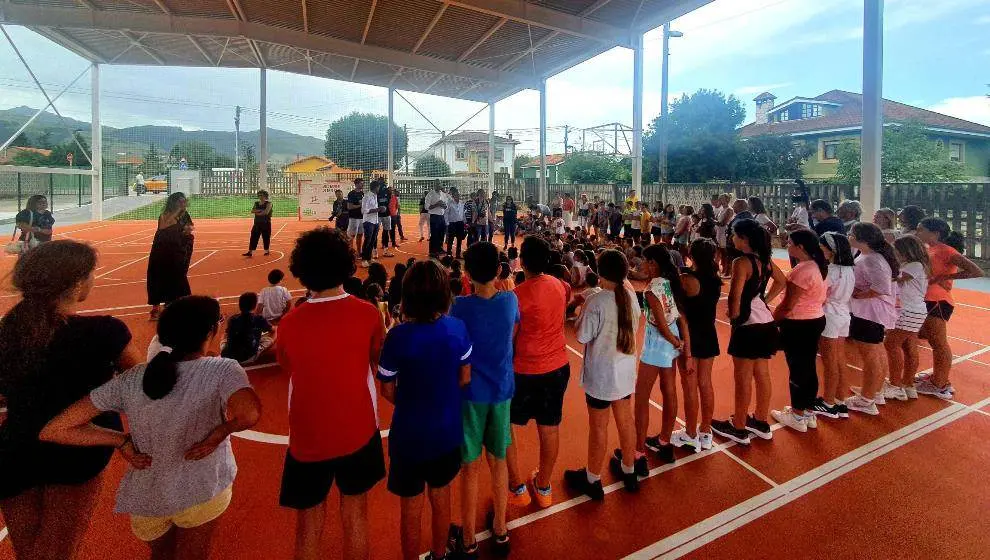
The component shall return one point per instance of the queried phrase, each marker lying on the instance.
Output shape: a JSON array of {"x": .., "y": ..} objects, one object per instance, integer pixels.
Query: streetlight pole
[{"x": 667, "y": 34}]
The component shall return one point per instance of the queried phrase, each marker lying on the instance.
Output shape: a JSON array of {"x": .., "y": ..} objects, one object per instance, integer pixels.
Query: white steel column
[
  {"x": 96, "y": 144},
  {"x": 263, "y": 134},
  {"x": 541, "y": 194},
  {"x": 390, "y": 138},
  {"x": 662, "y": 124},
  {"x": 872, "y": 142},
  {"x": 637, "y": 131},
  {"x": 491, "y": 148}
]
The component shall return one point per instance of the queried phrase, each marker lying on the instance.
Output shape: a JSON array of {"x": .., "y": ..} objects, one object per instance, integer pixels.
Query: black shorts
[
  {"x": 940, "y": 310},
  {"x": 599, "y": 404},
  {"x": 305, "y": 484},
  {"x": 865, "y": 331},
  {"x": 754, "y": 342},
  {"x": 408, "y": 480},
  {"x": 539, "y": 397}
]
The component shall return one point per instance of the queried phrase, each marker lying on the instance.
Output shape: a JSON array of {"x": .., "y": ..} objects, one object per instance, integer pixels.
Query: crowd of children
[{"x": 470, "y": 353}]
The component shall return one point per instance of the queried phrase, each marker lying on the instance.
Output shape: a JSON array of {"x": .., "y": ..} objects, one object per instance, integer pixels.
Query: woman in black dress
[{"x": 171, "y": 250}]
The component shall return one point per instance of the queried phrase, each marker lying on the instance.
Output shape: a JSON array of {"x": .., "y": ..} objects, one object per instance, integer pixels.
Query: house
[
  {"x": 467, "y": 152},
  {"x": 834, "y": 117},
  {"x": 8, "y": 155},
  {"x": 307, "y": 164},
  {"x": 532, "y": 169}
]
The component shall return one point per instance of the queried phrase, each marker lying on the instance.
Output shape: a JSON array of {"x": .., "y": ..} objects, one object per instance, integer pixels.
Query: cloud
[
  {"x": 755, "y": 90},
  {"x": 975, "y": 108},
  {"x": 985, "y": 20}
]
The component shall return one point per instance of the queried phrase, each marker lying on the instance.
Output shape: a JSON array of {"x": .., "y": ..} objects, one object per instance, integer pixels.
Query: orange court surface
[{"x": 905, "y": 484}]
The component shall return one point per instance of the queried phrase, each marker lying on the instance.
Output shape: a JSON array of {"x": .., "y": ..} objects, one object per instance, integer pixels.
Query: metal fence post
[
  {"x": 79, "y": 190},
  {"x": 19, "y": 192},
  {"x": 51, "y": 191}
]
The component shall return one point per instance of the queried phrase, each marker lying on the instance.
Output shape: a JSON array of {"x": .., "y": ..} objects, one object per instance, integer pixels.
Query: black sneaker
[
  {"x": 578, "y": 481},
  {"x": 759, "y": 429},
  {"x": 629, "y": 480},
  {"x": 640, "y": 466},
  {"x": 653, "y": 443},
  {"x": 665, "y": 451},
  {"x": 842, "y": 410},
  {"x": 725, "y": 429},
  {"x": 820, "y": 408},
  {"x": 500, "y": 543},
  {"x": 455, "y": 538},
  {"x": 465, "y": 553}
]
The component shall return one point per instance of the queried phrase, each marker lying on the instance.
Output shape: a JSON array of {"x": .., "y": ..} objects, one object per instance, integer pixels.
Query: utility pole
[
  {"x": 662, "y": 162},
  {"x": 567, "y": 130},
  {"x": 237, "y": 144},
  {"x": 405, "y": 129}
]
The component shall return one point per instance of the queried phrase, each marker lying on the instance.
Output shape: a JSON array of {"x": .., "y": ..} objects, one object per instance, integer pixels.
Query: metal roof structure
[{"x": 481, "y": 50}]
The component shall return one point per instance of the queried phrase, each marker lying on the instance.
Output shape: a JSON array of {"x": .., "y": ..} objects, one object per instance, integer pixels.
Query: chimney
[{"x": 764, "y": 104}]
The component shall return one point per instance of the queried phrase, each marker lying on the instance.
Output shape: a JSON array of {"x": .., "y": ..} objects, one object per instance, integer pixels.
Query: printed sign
[{"x": 316, "y": 195}]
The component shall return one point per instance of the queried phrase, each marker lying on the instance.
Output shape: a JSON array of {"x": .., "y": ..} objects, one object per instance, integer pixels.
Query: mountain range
[{"x": 135, "y": 140}]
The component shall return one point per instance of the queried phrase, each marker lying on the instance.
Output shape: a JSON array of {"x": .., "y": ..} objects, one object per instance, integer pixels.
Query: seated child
[
  {"x": 274, "y": 300},
  {"x": 248, "y": 335}
]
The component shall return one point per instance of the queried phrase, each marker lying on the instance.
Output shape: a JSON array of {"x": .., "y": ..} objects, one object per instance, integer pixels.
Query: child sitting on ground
[
  {"x": 274, "y": 299},
  {"x": 248, "y": 335}
]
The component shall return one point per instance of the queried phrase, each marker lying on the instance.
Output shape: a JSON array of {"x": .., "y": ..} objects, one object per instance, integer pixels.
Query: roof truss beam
[
  {"x": 541, "y": 16},
  {"x": 69, "y": 18},
  {"x": 483, "y": 38}
]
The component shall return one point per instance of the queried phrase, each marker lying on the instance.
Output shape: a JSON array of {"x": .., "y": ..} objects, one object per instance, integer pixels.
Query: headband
[{"x": 829, "y": 237}]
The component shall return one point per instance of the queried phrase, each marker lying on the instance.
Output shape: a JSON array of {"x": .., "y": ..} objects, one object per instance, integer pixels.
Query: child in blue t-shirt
[
  {"x": 424, "y": 365},
  {"x": 491, "y": 316}
]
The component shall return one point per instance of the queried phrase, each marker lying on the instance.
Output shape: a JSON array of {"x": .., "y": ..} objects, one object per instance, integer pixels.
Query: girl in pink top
[
  {"x": 802, "y": 321},
  {"x": 873, "y": 312},
  {"x": 947, "y": 264}
]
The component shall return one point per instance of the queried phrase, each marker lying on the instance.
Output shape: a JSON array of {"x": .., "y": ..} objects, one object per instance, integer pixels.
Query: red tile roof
[
  {"x": 552, "y": 159},
  {"x": 850, "y": 114}
]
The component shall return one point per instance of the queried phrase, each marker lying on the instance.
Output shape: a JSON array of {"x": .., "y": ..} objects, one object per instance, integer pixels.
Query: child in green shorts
[{"x": 491, "y": 316}]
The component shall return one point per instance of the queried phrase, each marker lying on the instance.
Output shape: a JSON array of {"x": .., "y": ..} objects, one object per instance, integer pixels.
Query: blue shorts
[{"x": 657, "y": 351}]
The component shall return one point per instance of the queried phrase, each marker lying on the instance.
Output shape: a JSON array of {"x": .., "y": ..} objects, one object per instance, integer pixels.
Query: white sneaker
[
  {"x": 812, "y": 420},
  {"x": 706, "y": 440},
  {"x": 680, "y": 438},
  {"x": 911, "y": 392},
  {"x": 921, "y": 377},
  {"x": 365, "y": 264},
  {"x": 862, "y": 404},
  {"x": 788, "y": 418},
  {"x": 376, "y": 253},
  {"x": 877, "y": 398},
  {"x": 894, "y": 392},
  {"x": 926, "y": 387}
]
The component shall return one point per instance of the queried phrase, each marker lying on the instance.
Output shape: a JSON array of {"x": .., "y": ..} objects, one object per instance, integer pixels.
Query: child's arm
[
  {"x": 243, "y": 410},
  {"x": 656, "y": 310},
  {"x": 388, "y": 390},
  {"x": 967, "y": 269},
  {"x": 779, "y": 281},
  {"x": 740, "y": 273},
  {"x": 791, "y": 294},
  {"x": 465, "y": 375},
  {"x": 904, "y": 278}
]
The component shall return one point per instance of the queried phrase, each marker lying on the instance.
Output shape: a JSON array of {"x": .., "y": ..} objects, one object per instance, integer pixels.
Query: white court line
[
  {"x": 202, "y": 259},
  {"x": 276, "y": 439},
  {"x": 125, "y": 265},
  {"x": 3, "y": 533},
  {"x": 280, "y": 230},
  {"x": 281, "y": 255},
  {"x": 125, "y": 307},
  {"x": 119, "y": 237},
  {"x": 972, "y": 306},
  {"x": 700, "y": 534}
]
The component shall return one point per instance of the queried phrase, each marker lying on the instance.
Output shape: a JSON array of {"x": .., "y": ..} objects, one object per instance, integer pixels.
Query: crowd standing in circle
[{"x": 470, "y": 353}]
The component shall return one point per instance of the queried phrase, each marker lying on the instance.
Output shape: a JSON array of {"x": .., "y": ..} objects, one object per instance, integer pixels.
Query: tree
[
  {"x": 431, "y": 166},
  {"x": 518, "y": 163},
  {"x": 21, "y": 141},
  {"x": 45, "y": 139},
  {"x": 248, "y": 157},
  {"x": 701, "y": 139},
  {"x": 360, "y": 141},
  {"x": 768, "y": 158},
  {"x": 909, "y": 155},
  {"x": 199, "y": 155},
  {"x": 590, "y": 168},
  {"x": 153, "y": 161}
]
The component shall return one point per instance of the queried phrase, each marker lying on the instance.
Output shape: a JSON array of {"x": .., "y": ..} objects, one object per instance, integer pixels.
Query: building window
[
  {"x": 784, "y": 115},
  {"x": 830, "y": 150},
  {"x": 499, "y": 154},
  {"x": 460, "y": 154},
  {"x": 957, "y": 152},
  {"x": 810, "y": 111}
]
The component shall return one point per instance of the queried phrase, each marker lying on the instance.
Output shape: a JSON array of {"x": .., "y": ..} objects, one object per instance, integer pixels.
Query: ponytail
[
  {"x": 873, "y": 237},
  {"x": 184, "y": 326},
  {"x": 614, "y": 268}
]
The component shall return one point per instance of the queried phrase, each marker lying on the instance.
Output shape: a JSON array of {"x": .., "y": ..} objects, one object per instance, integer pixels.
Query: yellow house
[{"x": 308, "y": 164}]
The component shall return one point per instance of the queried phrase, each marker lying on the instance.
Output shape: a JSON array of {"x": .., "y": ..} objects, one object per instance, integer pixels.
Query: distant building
[
  {"x": 8, "y": 154},
  {"x": 467, "y": 152},
  {"x": 834, "y": 117},
  {"x": 532, "y": 169},
  {"x": 307, "y": 164}
]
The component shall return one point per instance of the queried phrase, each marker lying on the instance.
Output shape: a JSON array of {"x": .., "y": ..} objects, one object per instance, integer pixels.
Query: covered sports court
[{"x": 908, "y": 484}]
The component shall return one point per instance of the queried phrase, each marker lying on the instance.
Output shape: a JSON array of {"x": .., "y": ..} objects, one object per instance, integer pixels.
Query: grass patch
[{"x": 216, "y": 207}]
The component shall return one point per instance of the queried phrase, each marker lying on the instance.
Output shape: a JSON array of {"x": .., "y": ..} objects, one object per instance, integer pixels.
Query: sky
[{"x": 935, "y": 56}]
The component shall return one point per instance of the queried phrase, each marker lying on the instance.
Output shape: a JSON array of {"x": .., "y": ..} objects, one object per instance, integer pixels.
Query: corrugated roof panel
[
  {"x": 278, "y": 57},
  {"x": 203, "y": 8},
  {"x": 174, "y": 48},
  {"x": 574, "y": 7},
  {"x": 278, "y": 14},
  {"x": 510, "y": 40},
  {"x": 53, "y": 3},
  {"x": 338, "y": 18},
  {"x": 239, "y": 54},
  {"x": 398, "y": 24},
  {"x": 374, "y": 72},
  {"x": 457, "y": 30},
  {"x": 107, "y": 43},
  {"x": 621, "y": 12},
  {"x": 128, "y": 5}
]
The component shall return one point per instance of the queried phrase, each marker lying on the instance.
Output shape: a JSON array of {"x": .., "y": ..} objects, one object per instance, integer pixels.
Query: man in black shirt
[
  {"x": 384, "y": 216},
  {"x": 354, "y": 216},
  {"x": 262, "y": 224},
  {"x": 824, "y": 221}
]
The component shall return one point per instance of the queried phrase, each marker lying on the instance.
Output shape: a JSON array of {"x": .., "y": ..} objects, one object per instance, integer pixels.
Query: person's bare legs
[
  {"x": 309, "y": 531},
  {"x": 410, "y": 526},
  {"x": 742, "y": 373},
  {"x": 831, "y": 348},
  {"x": 469, "y": 500},
  {"x": 644, "y": 385},
  {"x": 761, "y": 375},
  {"x": 893, "y": 346},
  {"x": 163, "y": 548},
  {"x": 65, "y": 513},
  {"x": 598, "y": 439},
  {"x": 872, "y": 368},
  {"x": 500, "y": 492},
  {"x": 516, "y": 476},
  {"x": 23, "y": 513},
  {"x": 934, "y": 329},
  {"x": 689, "y": 388},
  {"x": 549, "y": 448},
  {"x": 706, "y": 392},
  {"x": 440, "y": 507},
  {"x": 354, "y": 518},
  {"x": 668, "y": 392},
  {"x": 910, "y": 367},
  {"x": 622, "y": 410},
  {"x": 194, "y": 543}
]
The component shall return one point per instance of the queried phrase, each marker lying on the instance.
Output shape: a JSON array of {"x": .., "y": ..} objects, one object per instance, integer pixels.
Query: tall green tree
[
  {"x": 199, "y": 155},
  {"x": 154, "y": 163},
  {"x": 360, "y": 141},
  {"x": 45, "y": 139},
  {"x": 590, "y": 168},
  {"x": 248, "y": 157},
  {"x": 22, "y": 141},
  {"x": 769, "y": 158},
  {"x": 518, "y": 163},
  {"x": 909, "y": 155},
  {"x": 431, "y": 166},
  {"x": 702, "y": 143}
]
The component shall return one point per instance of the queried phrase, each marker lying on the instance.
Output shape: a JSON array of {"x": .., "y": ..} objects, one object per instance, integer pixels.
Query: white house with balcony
[{"x": 467, "y": 152}]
